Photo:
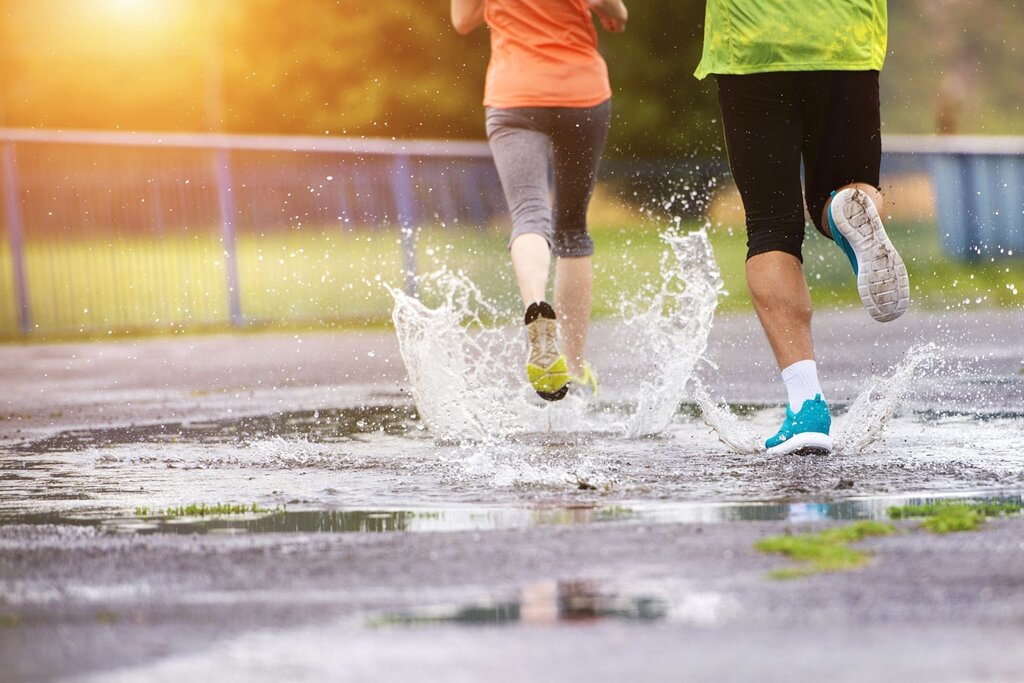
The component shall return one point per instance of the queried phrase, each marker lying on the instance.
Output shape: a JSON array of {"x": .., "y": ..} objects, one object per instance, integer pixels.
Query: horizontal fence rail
[
  {"x": 978, "y": 183},
  {"x": 185, "y": 230},
  {"x": 107, "y": 231}
]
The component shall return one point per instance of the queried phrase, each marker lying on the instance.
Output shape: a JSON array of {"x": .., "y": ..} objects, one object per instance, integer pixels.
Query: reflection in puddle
[
  {"x": 544, "y": 602},
  {"x": 381, "y": 457},
  {"x": 481, "y": 518}
]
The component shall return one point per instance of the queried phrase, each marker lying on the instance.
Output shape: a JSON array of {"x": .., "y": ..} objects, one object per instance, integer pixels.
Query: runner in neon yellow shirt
[
  {"x": 757, "y": 36},
  {"x": 798, "y": 82}
]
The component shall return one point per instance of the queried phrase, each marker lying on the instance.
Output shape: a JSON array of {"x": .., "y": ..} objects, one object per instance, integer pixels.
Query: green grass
[
  {"x": 317, "y": 278},
  {"x": 936, "y": 282},
  {"x": 824, "y": 551},
  {"x": 947, "y": 516},
  {"x": 204, "y": 510},
  {"x": 107, "y": 617},
  {"x": 10, "y": 621}
]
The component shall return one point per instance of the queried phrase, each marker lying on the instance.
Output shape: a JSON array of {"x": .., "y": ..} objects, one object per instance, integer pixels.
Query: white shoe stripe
[{"x": 815, "y": 440}]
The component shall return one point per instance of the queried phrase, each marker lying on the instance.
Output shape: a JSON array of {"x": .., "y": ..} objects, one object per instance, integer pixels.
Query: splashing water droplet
[
  {"x": 879, "y": 402},
  {"x": 729, "y": 430},
  {"x": 465, "y": 373},
  {"x": 861, "y": 426}
]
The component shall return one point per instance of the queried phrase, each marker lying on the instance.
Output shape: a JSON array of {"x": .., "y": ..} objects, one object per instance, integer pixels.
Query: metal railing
[
  {"x": 111, "y": 231},
  {"x": 978, "y": 184},
  {"x": 128, "y": 231}
]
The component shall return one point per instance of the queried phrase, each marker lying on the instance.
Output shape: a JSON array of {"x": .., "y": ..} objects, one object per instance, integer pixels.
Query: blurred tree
[
  {"x": 954, "y": 66},
  {"x": 299, "y": 66},
  {"x": 358, "y": 68},
  {"x": 660, "y": 108},
  {"x": 396, "y": 68}
]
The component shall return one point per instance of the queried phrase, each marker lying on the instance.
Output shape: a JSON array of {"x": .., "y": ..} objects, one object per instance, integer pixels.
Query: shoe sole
[
  {"x": 882, "y": 280},
  {"x": 537, "y": 329},
  {"x": 805, "y": 443},
  {"x": 541, "y": 355}
]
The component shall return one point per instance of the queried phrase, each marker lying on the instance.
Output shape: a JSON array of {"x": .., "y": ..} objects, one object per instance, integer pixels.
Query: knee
[
  {"x": 572, "y": 243},
  {"x": 530, "y": 209},
  {"x": 784, "y": 236}
]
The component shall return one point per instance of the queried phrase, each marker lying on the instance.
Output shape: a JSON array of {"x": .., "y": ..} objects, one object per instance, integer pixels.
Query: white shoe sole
[
  {"x": 882, "y": 280},
  {"x": 541, "y": 335},
  {"x": 805, "y": 443}
]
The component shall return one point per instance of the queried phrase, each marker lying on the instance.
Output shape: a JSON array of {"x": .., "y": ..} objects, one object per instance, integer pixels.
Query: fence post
[
  {"x": 15, "y": 232},
  {"x": 405, "y": 198},
  {"x": 225, "y": 200}
]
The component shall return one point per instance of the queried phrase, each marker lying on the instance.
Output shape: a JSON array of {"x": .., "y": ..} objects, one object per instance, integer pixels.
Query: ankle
[
  {"x": 801, "y": 380},
  {"x": 577, "y": 367}
]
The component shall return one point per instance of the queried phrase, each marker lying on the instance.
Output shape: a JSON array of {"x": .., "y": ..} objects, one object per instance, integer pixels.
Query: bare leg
[
  {"x": 573, "y": 295},
  {"x": 783, "y": 304},
  {"x": 531, "y": 260},
  {"x": 869, "y": 190}
]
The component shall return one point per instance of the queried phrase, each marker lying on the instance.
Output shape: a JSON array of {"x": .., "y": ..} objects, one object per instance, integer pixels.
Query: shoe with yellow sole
[
  {"x": 546, "y": 367},
  {"x": 587, "y": 382}
]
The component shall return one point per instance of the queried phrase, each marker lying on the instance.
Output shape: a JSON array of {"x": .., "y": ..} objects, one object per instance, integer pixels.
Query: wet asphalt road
[
  {"x": 304, "y": 607},
  {"x": 50, "y": 387},
  {"x": 612, "y": 601}
]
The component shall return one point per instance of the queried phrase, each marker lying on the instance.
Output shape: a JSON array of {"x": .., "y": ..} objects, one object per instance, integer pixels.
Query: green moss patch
[
  {"x": 204, "y": 510},
  {"x": 946, "y": 516},
  {"x": 10, "y": 621},
  {"x": 824, "y": 551}
]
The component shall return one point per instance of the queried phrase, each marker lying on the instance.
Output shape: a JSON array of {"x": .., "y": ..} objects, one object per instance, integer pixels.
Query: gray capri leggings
[{"x": 524, "y": 142}]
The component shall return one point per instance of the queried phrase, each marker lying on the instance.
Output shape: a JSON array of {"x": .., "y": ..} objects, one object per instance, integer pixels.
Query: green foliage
[
  {"x": 965, "y": 70},
  {"x": 825, "y": 551},
  {"x": 417, "y": 78},
  {"x": 356, "y": 68},
  {"x": 660, "y": 108},
  {"x": 946, "y": 516},
  {"x": 397, "y": 68}
]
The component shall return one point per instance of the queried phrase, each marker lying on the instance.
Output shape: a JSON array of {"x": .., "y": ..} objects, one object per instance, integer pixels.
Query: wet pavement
[
  {"x": 376, "y": 553},
  {"x": 589, "y": 602}
]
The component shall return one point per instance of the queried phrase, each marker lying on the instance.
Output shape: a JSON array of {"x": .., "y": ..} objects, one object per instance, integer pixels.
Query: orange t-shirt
[{"x": 543, "y": 54}]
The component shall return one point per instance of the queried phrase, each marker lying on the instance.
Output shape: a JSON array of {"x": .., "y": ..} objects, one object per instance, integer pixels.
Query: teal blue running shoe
[
  {"x": 857, "y": 229},
  {"x": 842, "y": 242},
  {"x": 805, "y": 432}
]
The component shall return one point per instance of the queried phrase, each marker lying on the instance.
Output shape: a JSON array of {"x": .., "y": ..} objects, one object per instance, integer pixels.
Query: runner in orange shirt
[{"x": 548, "y": 104}]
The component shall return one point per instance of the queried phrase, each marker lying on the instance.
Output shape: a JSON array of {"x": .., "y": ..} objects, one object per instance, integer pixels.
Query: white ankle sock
[{"x": 801, "y": 380}]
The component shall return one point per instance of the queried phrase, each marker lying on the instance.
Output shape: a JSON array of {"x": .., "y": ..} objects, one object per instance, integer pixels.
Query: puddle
[
  {"x": 334, "y": 425},
  {"x": 378, "y": 459},
  {"x": 484, "y": 518},
  {"x": 544, "y": 602},
  {"x": 462, "y": 382}
]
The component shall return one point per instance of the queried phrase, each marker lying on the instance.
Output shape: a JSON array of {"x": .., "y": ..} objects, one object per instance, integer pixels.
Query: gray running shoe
[{"x": 857, "y": 229}]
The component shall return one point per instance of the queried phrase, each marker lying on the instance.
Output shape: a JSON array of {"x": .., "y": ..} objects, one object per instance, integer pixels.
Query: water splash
[
  {"x": 729, "y": 430},
  {"x": 450, "y": 356},
  {"x": 465, "y": 371},
  {"x": 671, "y": 334},
  {"x": 556, "y": 465},
  {"x": 861, "y": 426},
  {"x": 879, "y": 402}
]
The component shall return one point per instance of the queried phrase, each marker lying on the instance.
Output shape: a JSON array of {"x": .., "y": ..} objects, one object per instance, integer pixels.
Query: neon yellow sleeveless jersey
[{"x": 755, "y": 36}]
